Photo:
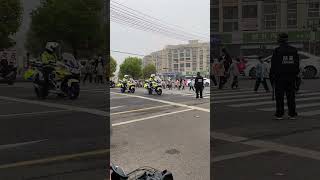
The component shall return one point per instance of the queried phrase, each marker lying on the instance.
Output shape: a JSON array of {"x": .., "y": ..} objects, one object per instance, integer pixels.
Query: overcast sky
[{"x": 191, "y": 15}]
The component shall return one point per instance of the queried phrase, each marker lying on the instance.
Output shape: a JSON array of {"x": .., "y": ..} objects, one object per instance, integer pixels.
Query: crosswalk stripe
[
  {"x": 259, "y": 98},
  {"x": 297, "y": 106},
  {"x": 234, "y": 92},
  {"x": 244, "y": 95},
  {"x": 270, "y": 102},
  {"x": 310, "y": 113}
]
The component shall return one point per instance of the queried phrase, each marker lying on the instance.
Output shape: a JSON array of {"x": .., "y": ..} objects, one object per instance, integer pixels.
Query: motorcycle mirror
[{"x": 118, "y": 171}]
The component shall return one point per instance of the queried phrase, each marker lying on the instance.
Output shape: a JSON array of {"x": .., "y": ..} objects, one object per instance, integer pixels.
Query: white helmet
[
  {"x": 126, "y": 76},
  {"x": 51, "y": 46},
  {"x": 153, "y": 75}
]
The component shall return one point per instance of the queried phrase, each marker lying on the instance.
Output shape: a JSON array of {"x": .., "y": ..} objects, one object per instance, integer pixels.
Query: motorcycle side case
[{"x": 166, "y": 175}]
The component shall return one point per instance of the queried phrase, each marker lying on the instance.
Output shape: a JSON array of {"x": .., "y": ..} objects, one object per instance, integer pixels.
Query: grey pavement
[
  {"x": 161, "y": 132},
  {"x": 56, "y": 138},
  {"x": 247, "y": 141}
]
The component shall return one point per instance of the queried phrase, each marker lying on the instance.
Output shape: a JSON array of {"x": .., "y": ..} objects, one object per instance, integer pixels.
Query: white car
[
  {"x": 309, "y": 64},
  {"x": 206, "y": 82}
]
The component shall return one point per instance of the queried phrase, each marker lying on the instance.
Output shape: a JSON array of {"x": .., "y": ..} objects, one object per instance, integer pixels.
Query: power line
[
  {"x": 140, "y": 20},
  {"x": 126, "y": 12},
  {"x": 142, "y": 26},
  {"x": 157, "y": 19},
  {"x": 122, "y": 52}
]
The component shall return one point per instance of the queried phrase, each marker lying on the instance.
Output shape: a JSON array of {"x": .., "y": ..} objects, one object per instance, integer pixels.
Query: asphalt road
[
  {"x": 56, "y": 138},
  {"x": 170, "y": 131},
  {"x": 246, "y": 143}
]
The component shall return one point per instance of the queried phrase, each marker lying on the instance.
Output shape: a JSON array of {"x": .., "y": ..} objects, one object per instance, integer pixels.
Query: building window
[
  {"x": 188, "y": 65},
  {"x": 230, "y": 12},
  {"x": 312, "y": 23},
  {"x": 292, "y": 14},
  {"x": 188, "y": 53},
  {"x": 249, "y": 11},
  {"x": 230, "y": 26},
  {"x": 270, "y": 16},
  {"x": 215, "y": 2},
  {"x": 313, "y": 9},
  {"x": 175, "y": 66},
  {"x": 215, "y": 13}
]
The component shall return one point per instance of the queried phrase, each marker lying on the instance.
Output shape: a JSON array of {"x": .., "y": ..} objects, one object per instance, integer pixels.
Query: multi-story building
[
  {"x": 247, "y": 27},
  {"x": 181, "y": 60}
]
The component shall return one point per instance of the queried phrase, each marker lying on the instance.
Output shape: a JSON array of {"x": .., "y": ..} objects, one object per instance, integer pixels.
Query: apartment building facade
[
  {"x": 247, "y": 27},
  {"x": 181, "y": 60}
]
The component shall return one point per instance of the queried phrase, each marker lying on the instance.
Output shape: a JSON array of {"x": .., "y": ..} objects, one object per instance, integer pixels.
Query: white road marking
[
  {"x": 238, "y": 155},
  {"x": 271, "y": 102},
  {"x": 116, "y": 107},
  {"x": 137, "y": 110},
  {"x": 242, "y": 96},
  {"x": 119, "y": 97},
  {"x": 167, "y": 102},
  {"x": 8, "y": 146},
  {"x": 31, "y": 114},
  {"x": 259, "y": 98},
  {"x": 302, "y": 152},
  {"x": 310, "y": 113},
  {"x": 297, "y": 106},
  {"x": 3, "y": 103},
  {"x": 150, "y": 117},
  {"x": 59, "y": 106}
]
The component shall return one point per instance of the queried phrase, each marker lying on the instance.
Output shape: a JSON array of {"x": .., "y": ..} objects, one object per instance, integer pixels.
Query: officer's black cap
[{"x": 282, "y": 38}]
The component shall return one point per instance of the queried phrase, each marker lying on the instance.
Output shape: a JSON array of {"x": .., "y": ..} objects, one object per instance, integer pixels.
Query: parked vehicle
[{"x": 309, "y": 63}]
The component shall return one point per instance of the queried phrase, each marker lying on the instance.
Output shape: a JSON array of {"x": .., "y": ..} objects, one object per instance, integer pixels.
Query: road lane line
[
  {"x": 259, "y": 98},
  {"x": 31, "y": 114},
  {"x": 167, "y": 102},
  {"x": 301, "y": 152},
  {"x": 239, "y": 155},
  {"x": 271, "y": 102},
  {"x": 138, "y": 110},
  {"x": 119, "y": 97},
  {"x": 150, "y": 117},
  {"x": 310, "y": 113},
  {"x": 116, "y": 107},
  {"x": 54, "y": 159},
  {"x": 297, "y": 106},
  {"x": 59, "y": 106},
  {"x": 15, "y": 145}
]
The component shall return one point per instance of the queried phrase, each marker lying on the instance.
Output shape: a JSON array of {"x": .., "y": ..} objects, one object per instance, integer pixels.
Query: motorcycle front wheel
[
  {"x": 41, "y": 92},
  {"x": 159, "y": 92},
  {"x": 74, "y": 91},
  {"x": 132, "y": 90}
]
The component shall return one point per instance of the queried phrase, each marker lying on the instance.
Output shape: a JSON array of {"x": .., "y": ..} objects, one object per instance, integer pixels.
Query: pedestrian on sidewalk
[
  {"x": 191, "y": 84},
  {"x": 234, "y": 72},
  {"x": 199, "y": 85},
  {"x": 220, "y": 70},
  {"x": 100, "y": 72},
  {"x": 88, "y": 72},
  {"x": 261, "y": 75}
]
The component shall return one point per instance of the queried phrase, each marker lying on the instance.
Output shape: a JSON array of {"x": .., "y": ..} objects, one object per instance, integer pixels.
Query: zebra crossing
[
  {"x": 308, "y": 102},
  {"x": 206, "y": 93}
]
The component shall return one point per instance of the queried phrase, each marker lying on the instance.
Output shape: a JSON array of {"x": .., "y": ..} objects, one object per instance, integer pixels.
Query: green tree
[
  {"x": 131, "y": 66},
  {"x": 79, "y": 24},
  {"x": 111, "y": 68},
  {"x": 10, "y": 21},
  {"x": 148, "y": 70}
]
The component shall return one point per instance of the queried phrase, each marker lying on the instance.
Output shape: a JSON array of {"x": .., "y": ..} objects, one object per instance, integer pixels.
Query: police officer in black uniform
[
  {"x": 283, "y": 73},
  {"x": 198, "y": 84}
]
